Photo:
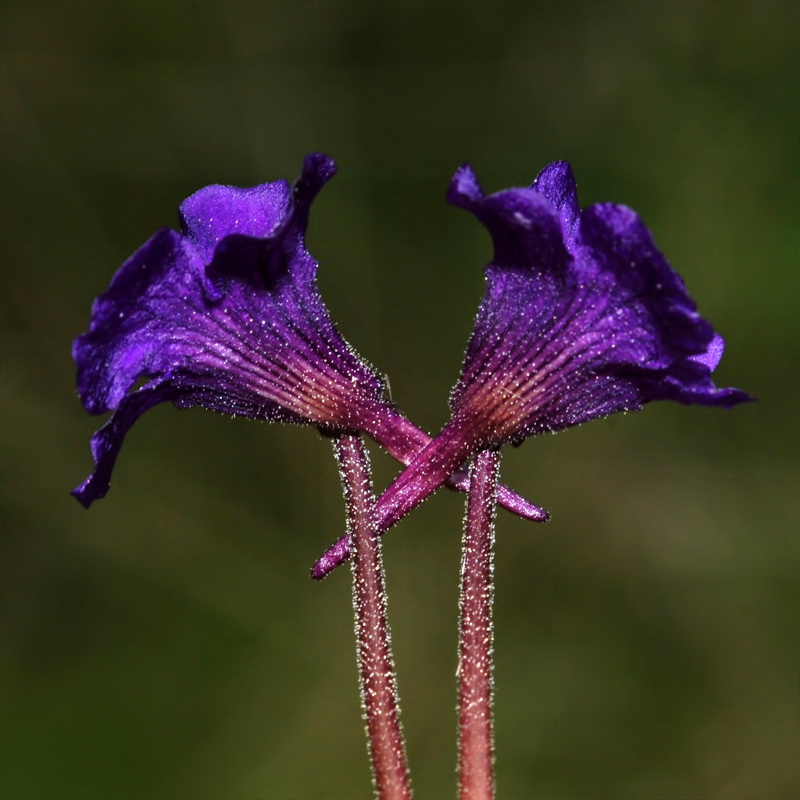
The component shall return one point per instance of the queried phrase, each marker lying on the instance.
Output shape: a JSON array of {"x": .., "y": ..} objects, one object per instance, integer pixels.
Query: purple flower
[
  {"x": 582, "y": 317},
  {"x": 226, "y": 315}
]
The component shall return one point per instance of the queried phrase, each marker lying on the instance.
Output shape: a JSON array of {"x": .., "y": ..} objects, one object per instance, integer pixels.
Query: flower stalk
[
  {"x": 475, "y": 686},
  {"x": 379, "y": 699}
]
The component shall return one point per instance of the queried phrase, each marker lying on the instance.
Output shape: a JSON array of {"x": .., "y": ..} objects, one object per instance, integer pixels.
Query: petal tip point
[
  {"x": 464, "y": 188},
  {"x": 318, "y": 169},
  {"x": 84, "y": 497}
]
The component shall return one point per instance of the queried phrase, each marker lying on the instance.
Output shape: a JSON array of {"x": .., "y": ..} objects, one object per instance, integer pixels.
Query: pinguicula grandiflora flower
[
  {"x": 582, "y": 317},
  {"x": 227, "y": 315}
]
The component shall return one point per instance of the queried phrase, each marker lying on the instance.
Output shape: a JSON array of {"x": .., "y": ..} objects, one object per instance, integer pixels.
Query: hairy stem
[
  {"x": 373, "y": 641},
  {"x": 475, "y": 735}
]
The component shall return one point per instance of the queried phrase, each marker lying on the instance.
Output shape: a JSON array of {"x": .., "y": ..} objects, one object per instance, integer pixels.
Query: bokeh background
[{"x": 169, "y": 643}]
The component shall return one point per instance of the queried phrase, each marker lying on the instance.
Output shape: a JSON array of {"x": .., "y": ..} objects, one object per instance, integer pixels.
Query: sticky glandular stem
[
  {"x": 377, "y": 679},
  {"x": 475, "y": 730}
]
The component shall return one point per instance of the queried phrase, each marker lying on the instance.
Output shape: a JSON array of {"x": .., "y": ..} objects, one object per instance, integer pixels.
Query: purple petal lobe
[
  {"x": 215, "y": 212},
  {"x": 318, "y": 169},
  {"x": 557, "y": 183},
  {"x": 122, "y": 343},
  {"x": 524, "y": 225},
  {"x": 107, "y": 441}
]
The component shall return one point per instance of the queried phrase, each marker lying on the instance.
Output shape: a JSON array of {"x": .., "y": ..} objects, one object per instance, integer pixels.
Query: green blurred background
[{"x": 169, "y": 643}]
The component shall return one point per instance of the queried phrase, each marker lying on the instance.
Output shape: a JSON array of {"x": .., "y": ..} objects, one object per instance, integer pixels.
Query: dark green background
[{"x": 168, "y": 643}]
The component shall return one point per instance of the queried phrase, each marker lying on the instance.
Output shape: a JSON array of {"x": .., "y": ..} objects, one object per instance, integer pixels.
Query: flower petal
[
  {"x": 523, "y": 223},
  {"x": 107, "y": 441},
  {"x": 557, "y": 183},
  {"x": 214, "y": 212},
  {"x": 261, "y": 212},
  {"x": 664, "y": 347}
]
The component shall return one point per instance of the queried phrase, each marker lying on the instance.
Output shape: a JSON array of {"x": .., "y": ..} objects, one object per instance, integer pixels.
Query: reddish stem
[
  {"x": 376, "y": 667},
  {"x": 475, "y": 735}
]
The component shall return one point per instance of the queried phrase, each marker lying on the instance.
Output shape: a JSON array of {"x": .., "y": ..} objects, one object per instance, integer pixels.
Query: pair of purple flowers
[{"x": 582, "y": 317}]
